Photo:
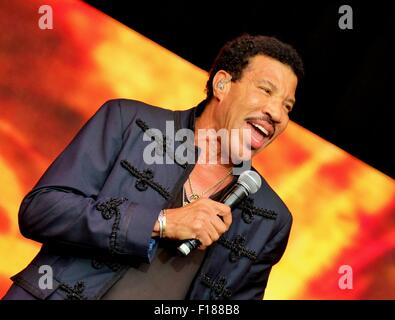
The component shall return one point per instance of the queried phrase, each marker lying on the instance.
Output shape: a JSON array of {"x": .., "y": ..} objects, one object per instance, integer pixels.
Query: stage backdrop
[{"x": 53, "y": 80}]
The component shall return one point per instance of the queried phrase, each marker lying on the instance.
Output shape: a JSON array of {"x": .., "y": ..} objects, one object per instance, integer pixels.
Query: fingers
[
  {"x": 204, "y": 219},
  {"x": 225, "y": 212},
  {"x": 214, "y": 229},
  {"x": 227, "y": 219},
  {"x": 213, "y": 232},
  {"x": 219, "y": 225},
  {"x": 205, "y": 231},
  {"x": 223, "y": 209},
  {"x": 205, "y": 240}
]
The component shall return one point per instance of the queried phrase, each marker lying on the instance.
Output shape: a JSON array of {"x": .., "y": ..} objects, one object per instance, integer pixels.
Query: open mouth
[
  {"x": 259, "y": 134},
  {"x": 259, "y": 128}
]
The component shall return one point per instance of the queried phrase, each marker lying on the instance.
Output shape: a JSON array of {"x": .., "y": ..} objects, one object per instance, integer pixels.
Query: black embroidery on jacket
[
  {"x": 162, "y": 142},
  {"x": 99, "y": 263},
  {"x": 142, "y": 125},
  {"x": 237, "y": 248},
  {"x": 74, "y": 293},
  {"x": 108, "y": 210},
  {"x": 159, "y": 139},
  {"x": 249, "y": 211},
  {"x": 218, "y": 287},
  {"x": 145, "y": 179}
]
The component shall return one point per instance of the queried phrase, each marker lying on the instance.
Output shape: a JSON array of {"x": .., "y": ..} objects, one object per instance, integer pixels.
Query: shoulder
[
  {"x": 132, "y": 107},
  {"x": 133, "y": 110},
  {"x": 123, "y": 113}
]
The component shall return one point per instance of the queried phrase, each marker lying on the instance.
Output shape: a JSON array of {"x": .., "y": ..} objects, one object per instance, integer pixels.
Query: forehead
[{"x": 263, "y": 67}]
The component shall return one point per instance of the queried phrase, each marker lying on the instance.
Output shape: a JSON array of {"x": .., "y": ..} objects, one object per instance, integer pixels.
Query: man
[{"x": 98, "y": 209}]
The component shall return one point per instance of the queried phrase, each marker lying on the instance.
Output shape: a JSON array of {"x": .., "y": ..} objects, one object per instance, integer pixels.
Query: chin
[{"x": 240, "y": 154}]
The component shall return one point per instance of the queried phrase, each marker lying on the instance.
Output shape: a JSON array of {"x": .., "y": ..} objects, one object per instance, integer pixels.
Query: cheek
[
  {"x": 230, "y": 116},
  {"x": 281, "y": 127}
]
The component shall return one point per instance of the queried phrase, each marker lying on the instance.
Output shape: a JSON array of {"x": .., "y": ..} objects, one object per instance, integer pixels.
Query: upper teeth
[{"x": 260, "y": 128}]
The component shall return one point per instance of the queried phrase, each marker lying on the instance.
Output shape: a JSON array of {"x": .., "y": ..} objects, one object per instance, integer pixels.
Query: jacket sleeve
[
  {"x": 64, "y": 207},
  {"x": 255, "y": 285}
]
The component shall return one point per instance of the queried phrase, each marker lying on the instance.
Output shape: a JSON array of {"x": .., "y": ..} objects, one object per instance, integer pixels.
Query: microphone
[{"x": 248, "y": 183}]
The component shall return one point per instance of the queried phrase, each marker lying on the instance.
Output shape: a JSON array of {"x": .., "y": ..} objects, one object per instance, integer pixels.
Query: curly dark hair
[{"x": 235, "y": 55}]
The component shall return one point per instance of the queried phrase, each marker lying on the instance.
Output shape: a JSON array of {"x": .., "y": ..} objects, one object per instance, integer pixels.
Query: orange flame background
[{"x": 52, "y": 81}]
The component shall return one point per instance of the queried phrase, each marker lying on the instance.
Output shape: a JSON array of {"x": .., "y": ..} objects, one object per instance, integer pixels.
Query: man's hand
[{"x": 203, "y": 219}]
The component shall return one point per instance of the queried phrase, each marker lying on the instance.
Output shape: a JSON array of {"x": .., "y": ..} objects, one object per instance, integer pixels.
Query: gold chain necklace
[{"x": 194, "y": 196}]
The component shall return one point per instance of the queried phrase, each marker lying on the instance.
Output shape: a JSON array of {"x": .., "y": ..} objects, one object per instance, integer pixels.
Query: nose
[{"x": 273, "y": 109}]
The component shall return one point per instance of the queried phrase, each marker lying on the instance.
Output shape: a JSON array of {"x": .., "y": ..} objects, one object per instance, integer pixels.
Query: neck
[
  {"x": 207, "y": 138},
  {"x": 207, "y": 118},
  {"x": 206, "y": 180}
]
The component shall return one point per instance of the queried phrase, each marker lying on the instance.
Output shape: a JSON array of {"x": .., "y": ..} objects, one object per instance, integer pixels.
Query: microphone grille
[{"x": 250, "y": 180}]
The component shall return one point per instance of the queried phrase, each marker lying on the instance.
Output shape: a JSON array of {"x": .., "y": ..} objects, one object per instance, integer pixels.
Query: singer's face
[{"x": 257, "y": 106}]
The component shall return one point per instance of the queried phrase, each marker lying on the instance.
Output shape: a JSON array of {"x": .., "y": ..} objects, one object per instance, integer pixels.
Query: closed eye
[{"x": 266, "y": 90}]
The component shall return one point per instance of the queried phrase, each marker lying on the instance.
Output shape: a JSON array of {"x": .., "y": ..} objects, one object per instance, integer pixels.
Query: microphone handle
[
  {"x": 187, "y": 246},
  {"x": 232, "y": 198}
]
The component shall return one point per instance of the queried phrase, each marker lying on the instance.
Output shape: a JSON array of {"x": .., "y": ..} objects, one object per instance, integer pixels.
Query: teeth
[{"x": 260, "y": 128}]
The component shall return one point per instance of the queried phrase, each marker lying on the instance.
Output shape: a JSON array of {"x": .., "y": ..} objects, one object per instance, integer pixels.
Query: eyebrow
[{"x": 274, "y": 88}]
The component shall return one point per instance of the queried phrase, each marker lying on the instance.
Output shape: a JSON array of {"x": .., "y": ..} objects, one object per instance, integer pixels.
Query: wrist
[
  {"x": 162, "y": 223},
  {"x": 159, "y": 229},
  {"x": 155, "y": 231}
]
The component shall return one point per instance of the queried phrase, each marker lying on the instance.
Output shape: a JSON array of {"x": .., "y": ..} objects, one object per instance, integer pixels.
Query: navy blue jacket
[{"x": 95, "y": 207}]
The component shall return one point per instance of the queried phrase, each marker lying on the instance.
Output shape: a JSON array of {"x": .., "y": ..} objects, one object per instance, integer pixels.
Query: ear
[{"x": 221, "y": 84}]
